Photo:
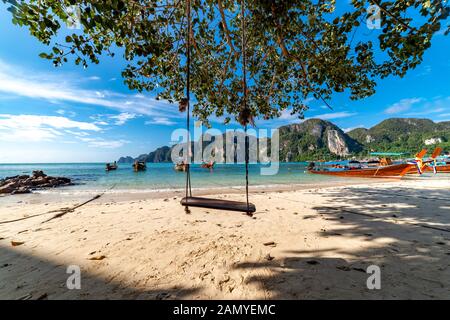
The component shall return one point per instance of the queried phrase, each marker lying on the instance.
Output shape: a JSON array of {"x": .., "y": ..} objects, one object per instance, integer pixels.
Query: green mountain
[
  {"x": 403, "y": 134},
  {"x": 161, "y": 154},
  {"x": 315, "y": 139}
]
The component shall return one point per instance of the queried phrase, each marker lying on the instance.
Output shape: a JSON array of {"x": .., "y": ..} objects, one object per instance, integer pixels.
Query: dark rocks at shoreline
[{"x": 21, "y": 184}]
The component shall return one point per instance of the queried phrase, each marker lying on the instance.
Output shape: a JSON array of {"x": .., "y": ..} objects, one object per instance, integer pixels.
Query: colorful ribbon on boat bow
[{"x": 418, "y": 163}]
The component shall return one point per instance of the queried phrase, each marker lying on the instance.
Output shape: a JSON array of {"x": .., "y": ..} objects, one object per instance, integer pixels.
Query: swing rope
[
  {"x": 244, "y": 111},
  {"x": 188, "y": 91},
  {"x": 244, "y": 88}
]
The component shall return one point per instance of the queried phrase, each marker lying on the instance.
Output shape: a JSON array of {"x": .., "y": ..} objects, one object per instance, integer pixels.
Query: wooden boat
[
  {"x": 139, "y": 166},
  {"x": 430, "y": 165},
  {"x": 111, "y": 166},
  {"x": 442, "y": 168},
  {"x": 390, "y": 171},
  {"x": 180, "y": 167},
  {"x": 209, "y": 165},
  {"x": 445, "y": 168}
]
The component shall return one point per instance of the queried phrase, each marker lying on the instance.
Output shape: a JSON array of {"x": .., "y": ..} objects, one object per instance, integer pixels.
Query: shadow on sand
[
  {"x": 18, "y": 282},
  {"x": 408, "y": 233}
]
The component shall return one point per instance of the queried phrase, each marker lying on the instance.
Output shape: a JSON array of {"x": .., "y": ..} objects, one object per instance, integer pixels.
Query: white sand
[{"x": 324, "y": 241}]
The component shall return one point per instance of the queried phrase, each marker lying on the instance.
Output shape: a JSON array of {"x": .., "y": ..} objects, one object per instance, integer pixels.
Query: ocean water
[{"x": 162, "y": 176}]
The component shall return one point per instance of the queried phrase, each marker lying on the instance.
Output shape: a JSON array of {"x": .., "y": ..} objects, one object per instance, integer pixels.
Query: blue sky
[{"x": 71, "y": 114}]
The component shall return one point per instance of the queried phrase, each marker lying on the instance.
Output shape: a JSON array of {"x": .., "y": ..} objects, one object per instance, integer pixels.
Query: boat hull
[
  {"x": 444, "y": 169},
  {"x": 180, "y": 167},
  {"x": 392, "y": 171},
  {"x": 439, "y": 169}
]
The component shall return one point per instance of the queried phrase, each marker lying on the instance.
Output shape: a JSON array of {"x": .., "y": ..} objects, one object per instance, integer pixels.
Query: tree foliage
[{"x": 296, "y": 50}]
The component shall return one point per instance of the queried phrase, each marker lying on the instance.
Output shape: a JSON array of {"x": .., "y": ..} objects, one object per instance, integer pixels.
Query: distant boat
[
  {"x": 111, "y": 166},
  {"x": 180, "y": 166},
  {"x": 209, "y": 165},
  {"x": 139, "y": 166}
]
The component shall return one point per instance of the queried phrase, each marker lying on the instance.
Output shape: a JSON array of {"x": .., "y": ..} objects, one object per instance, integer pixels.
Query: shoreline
[
  {"x": 72, "y": 193},
  {"x": 81, "y": 192}
]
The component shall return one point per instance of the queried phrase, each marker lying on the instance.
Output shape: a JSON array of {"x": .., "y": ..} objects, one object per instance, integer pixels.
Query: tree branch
[
  {"x": 404, "y": 24},
  {"x": 225, "y": 26}
]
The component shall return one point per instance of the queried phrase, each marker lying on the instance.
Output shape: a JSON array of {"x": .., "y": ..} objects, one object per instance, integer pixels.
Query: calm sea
[{"x": 162, "y": 176}]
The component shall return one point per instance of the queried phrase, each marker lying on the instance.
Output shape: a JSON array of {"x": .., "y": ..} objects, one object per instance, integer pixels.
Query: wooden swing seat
[{"x": 218, "y": 204}]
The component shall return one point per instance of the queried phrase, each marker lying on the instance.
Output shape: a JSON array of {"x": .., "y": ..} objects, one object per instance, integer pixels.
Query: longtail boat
[
  {"x": 208, "y": 165},
  {"x": 111, "y": 166},
  {"x": 431, "y": 165},
  {"x": 180, "y": 167},
  {"x": 442, "y": 168},
  {"x": 390, "y": 171},
  {"x": 139, "y": 166}
]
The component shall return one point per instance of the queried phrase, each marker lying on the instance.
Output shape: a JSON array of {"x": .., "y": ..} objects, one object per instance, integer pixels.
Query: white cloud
[
  {"x": 63, "y": 87},
  {"x": 161, "y": 121},
  {"x": 8, "y": 120},
  {"x": 66, "y": 112},
  {"x": 425, "y": 71},
  {"x": 121, "y": 118},
  {"x": 94, "y": 78},
  {"x": 38, "y": 128},
  {"x": 28, "y": 135},
  {"x": 105, "y": 144},
  {"x": 402, "y": 106},
  {"x": 99, "y": 119},
  {"x": 335, "y": 115},
  {"x": 77, "y": 133},
  {"x": 425, "y": 111},
  {"x": 421, "y": 107},
  {"x": 287, "y": 115},
  {"x": 285, "y": 118}
]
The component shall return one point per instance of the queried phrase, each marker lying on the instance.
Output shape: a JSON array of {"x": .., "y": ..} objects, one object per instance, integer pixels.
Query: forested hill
[{"x": 404, "y": 134}]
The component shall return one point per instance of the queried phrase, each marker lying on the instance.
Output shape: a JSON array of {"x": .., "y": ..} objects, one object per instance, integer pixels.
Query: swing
[{"x": 208, "y": 203}]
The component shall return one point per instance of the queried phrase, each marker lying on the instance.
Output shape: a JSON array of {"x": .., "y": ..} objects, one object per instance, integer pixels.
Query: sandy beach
[{"x": 301, "y": 244}]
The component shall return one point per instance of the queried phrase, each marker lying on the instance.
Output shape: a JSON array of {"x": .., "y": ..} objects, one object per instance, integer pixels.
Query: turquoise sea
[{"x": 162, "y": 176}]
